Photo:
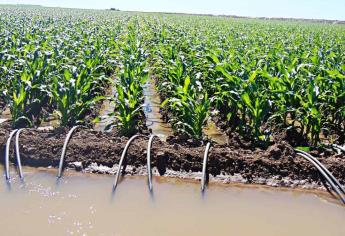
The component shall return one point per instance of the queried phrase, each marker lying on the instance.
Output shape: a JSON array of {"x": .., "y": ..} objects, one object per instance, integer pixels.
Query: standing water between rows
[
  {"x": 106, "y": 109},
  {"x": 162, "y": 129},
  {"x": 82, "y": 204},
  {"x": 152, "y": 111}
]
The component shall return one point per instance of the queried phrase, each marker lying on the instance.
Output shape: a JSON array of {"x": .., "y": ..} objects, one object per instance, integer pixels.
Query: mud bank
[
  {"x": 2, "y": 105},
  {"x": 100, "y": 152}
]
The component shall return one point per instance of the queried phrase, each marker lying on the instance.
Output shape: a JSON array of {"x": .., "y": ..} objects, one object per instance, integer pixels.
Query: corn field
[{"x": 257, "y": 78}]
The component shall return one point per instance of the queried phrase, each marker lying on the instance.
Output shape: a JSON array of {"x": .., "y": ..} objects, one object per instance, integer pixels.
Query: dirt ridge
[{"x": 43, "y": 148}]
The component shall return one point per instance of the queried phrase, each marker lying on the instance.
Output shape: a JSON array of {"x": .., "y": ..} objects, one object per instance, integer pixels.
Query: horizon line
[{"x": 314, "y": 20}]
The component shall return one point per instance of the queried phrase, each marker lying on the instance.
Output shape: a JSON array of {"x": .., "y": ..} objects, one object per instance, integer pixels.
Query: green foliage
[
  {"x": 129, "y": 85},
  {"x": 52, "y": 65},
  {"x": 191, "y": 108},
  {"x": 74, "y": 94},
  {"x": 262, "y": 77}
]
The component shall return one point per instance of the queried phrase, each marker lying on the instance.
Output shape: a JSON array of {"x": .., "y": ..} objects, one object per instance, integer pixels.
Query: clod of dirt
[
  {"x": 162, "y": 160},
  {"x": 279, "y": 150}
]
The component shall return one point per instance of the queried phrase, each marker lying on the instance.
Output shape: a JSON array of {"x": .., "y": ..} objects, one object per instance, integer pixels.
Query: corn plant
[
  {"x": 191, "y": 109},
  {"x": 53, "y": 65},
  {"x": 129, "y": 85},
  {"x": 26, "y": 92},
  {"x": 75, "y": 94}
]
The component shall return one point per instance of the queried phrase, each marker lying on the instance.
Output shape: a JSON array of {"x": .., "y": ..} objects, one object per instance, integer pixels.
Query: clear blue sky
[{"x": 314, "y": 9}]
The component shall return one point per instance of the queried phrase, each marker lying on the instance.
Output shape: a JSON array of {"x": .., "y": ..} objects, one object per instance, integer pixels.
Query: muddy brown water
[
  {"x": 152, "y": 112},
  {"x": 82, "y": 204},
  {"x": 5, "y": 115},
  {"x": 212, "y": 131},
  {"x": 106, "y": 109}
]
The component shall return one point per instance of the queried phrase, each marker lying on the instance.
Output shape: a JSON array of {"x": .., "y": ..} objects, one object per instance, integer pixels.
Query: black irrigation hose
[
  {"x": 63, "y": 154},
  {"x": 149, "y": 170},
  {"x": 328, "y": 176},
  {"x": 7, "y": 154},
  {"x": 334, "y": 183},
  {"x": 148, "y": 157},
  {"x": 325, "y": 170},
  {"x": 123, "y": 156},
  {"x": 19, "y": 163},
  {"x": 204, "y": 168},
  {"x": 339, "y": 147}
]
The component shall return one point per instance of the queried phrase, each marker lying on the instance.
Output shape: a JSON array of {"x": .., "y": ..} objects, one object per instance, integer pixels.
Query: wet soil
[
  {"x": 154, "y": 121},
  {"x": 48, "y": 119},
  {"x": 291, "y": 136},
  {"x": 106, "y": 107},
  {"x": 43, "y": 148},
  {"x": 2, "y": 104}
]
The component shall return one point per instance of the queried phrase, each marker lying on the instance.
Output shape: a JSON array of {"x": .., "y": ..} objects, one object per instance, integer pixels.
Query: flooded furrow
[
  {"x": 151, "y": 109},
  {"x": 107, "y": 108},
  {"x": 82, "y": 204},
  {"x": 162, "y": 129},
  {"x": 5, "y": 115},
  {"x": 51, "y": 122},
  {"x": 214, "y": 133}
]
